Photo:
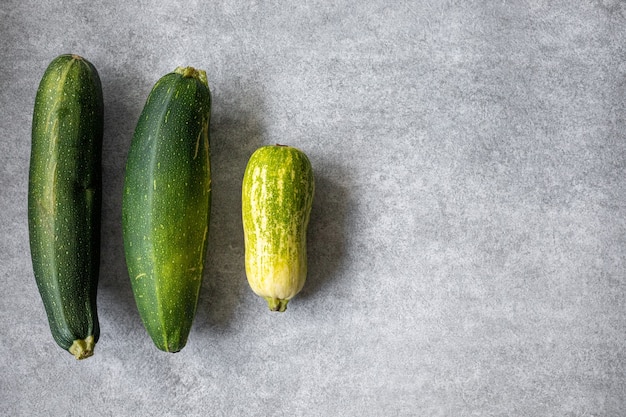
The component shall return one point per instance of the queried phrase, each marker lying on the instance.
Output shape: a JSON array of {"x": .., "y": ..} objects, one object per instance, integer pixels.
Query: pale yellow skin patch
[{"x": 273, "y": 275}]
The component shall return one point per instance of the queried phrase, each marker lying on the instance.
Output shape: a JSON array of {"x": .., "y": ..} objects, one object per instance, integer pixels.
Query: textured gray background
[{"x": 468, "y": 236}]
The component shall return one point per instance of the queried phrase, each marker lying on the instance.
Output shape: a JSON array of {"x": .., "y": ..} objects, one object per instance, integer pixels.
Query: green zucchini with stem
[
  {"x": 166, "y": 205},
  {"x": 64, "y": 200},
  {"x": 277, "y": 195}
]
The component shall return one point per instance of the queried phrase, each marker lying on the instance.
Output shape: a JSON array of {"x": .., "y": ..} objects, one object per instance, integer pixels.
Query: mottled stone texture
[{"x": 467, "y": 245}]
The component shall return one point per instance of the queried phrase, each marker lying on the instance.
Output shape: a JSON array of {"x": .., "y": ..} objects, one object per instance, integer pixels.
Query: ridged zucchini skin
[
  {"x": 166, "y": 205},
  {"x": 277, "y": 195},
  {"x": 64, "y": 200}
]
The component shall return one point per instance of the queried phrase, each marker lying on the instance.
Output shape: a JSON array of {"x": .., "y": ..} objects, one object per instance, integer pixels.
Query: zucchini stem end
[{"x": 83, "y": 348}]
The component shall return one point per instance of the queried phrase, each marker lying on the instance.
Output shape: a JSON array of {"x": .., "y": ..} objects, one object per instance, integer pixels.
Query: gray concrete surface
[{"x": 468, "y": 237}]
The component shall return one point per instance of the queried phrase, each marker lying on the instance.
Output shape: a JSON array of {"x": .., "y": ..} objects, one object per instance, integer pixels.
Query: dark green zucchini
[
  {"x": 64, "y": 198},
  {"x": 166, "y": 205}
]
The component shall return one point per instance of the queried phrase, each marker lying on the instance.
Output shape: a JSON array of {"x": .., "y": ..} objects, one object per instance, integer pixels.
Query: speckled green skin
[
  {"x": 277, "y": 194},
  {"x": 166, "y": 205},
  {"x": 64, "y": 196}
]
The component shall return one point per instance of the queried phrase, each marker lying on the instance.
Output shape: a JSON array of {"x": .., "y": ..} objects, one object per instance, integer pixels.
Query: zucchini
[
  {"x": 166, "y": 205},
  {"x": 64, "y": 200},
  {"x": 277, "y": 194}
]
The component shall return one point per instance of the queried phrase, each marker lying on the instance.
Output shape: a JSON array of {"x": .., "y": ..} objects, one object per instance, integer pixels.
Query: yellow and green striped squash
[{"x": 277, "y": 195}]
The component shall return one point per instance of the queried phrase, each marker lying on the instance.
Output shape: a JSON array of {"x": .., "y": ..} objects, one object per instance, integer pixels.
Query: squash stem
[
  {"x": 276, "y": 304},
  {"x": 191, "y": 72},
  {"x": 82, "y": 348}
]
